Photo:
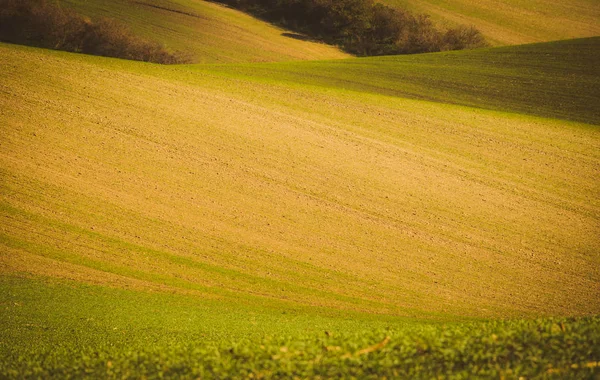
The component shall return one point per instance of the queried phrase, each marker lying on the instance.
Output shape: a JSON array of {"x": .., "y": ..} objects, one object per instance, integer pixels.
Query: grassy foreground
[{"x": 57, "y": 329}]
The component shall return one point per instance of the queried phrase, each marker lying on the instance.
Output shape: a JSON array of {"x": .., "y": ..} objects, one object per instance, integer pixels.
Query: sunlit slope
[
  {"x": 177, "y": 179},
  {"x": 511, "y": 22},
  {"x": 555, "y": 79},
  {"x": 207, "y": 31}
]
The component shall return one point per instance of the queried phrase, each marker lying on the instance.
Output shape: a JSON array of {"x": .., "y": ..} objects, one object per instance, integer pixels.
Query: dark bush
[
  {"x": 462, "y": 37},
  {"x": 37, "y": 23},
  {"x": 362, "y": 27}
]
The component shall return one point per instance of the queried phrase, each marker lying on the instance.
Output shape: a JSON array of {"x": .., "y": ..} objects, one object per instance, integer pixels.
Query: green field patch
[
  {"x": 61, "y": 329},
  {"x": 557, "y": 79}
]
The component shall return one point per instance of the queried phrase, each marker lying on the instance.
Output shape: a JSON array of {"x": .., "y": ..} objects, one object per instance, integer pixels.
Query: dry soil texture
[{"x": 203, "y": 182}]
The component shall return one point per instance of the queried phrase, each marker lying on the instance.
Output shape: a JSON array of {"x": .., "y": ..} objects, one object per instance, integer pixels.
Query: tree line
[{"x": 362, "y": 27}]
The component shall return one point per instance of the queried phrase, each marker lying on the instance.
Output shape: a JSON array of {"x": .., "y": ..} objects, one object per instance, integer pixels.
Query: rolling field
[
  {"x": 208, "y": 32},
  {"x": 557, "y": 80},
  {"x": 512, "y": 22},
  {"x": 226, "y": 215}
]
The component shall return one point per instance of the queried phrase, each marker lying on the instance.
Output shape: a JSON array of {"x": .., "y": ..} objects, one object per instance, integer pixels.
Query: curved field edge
[{"x": 58, "y": 329}]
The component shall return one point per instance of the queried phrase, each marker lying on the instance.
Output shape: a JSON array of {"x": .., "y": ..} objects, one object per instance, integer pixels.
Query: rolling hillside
[
  {"x": 210, "y": 32},
  {"x": 514, "y": 22},
  {"x": 260, "y": 216},
  {"x": 207, "y": 180}
]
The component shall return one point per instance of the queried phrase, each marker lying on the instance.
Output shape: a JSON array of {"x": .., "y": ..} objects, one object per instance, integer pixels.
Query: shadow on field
[{"x": 297, "y": 36}]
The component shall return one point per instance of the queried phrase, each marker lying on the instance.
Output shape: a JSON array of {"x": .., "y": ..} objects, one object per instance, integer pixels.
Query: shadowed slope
[
  {"x": 205, "y": 182},
  {"x": 556, "y": 79}
]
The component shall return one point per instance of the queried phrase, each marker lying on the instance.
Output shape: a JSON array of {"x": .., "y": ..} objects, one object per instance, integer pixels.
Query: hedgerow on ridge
[
  {"x": 362, "y": 27},
  {"x": 41, "y": 24}
]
